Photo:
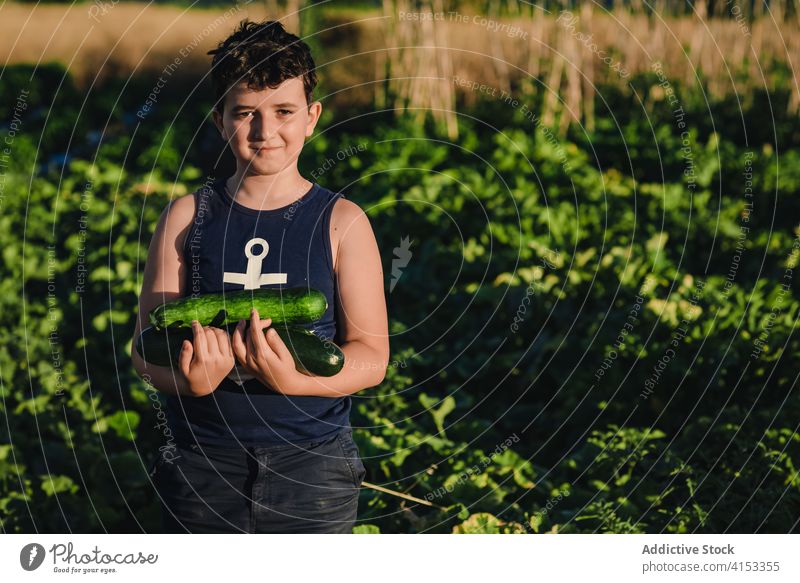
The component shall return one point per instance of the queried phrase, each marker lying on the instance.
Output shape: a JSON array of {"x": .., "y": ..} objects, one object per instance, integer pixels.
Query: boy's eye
[{"x": 246, "y": 113}]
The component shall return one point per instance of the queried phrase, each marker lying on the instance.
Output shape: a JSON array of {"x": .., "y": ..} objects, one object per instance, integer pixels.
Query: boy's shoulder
[
  {"x": 177, "y": 216},
  {"x": 180, "y": 209},
  {"x": 346, "y": 217},
  {"x": 342, "y": 206},
  {"x": 345, "y": 212}
]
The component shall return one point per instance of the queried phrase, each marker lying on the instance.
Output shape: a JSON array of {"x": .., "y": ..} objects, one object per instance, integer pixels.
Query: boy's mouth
[{"x": 266, "y": 151}]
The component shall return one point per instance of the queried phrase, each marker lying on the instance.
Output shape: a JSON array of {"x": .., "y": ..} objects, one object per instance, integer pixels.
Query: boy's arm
[
  {"x": 164, "y": 280},
  {"x": 361, "y": 318}
]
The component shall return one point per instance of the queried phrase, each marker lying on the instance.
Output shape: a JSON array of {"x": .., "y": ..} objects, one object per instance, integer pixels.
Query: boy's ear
[
  {"x": 314, "y": 111},
  {"x": 217, "y": 117}
]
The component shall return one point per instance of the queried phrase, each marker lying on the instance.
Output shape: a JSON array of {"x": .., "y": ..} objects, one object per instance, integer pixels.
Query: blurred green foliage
[{"x": 498, "y": 234}]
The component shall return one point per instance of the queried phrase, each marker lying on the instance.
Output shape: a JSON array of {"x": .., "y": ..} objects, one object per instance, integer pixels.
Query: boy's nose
[{"x": 265, "y": 129}]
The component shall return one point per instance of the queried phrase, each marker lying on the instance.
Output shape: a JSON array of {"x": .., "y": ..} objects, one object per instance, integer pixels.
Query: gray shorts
[{"x": 310, "y": 487}]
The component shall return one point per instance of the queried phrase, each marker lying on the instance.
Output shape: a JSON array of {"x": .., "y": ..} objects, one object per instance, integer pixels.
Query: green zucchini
[
  {"x": 297, "y": 305},
  {"x": 312, "y": 355}
]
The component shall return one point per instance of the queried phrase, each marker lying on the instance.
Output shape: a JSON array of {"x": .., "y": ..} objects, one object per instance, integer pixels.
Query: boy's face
[{"x": 267, "y": 129}]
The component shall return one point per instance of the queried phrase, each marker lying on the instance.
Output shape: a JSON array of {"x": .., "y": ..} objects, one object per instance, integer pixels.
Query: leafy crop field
[{"x": 593, "y": 333}]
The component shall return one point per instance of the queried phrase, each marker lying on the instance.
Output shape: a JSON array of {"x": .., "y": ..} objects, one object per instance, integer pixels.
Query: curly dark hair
[{"x": 264, "y": 55}]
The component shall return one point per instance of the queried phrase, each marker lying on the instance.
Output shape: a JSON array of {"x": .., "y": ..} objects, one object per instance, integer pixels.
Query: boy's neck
[{"x": 267, "y": 192}]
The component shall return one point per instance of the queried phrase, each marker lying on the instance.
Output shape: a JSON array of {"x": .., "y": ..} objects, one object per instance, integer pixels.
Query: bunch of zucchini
[{"x": 160, "y": 343}]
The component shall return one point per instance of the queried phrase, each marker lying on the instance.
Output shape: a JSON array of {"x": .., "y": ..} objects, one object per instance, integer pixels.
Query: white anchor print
[{"x": 253, "y": 278}]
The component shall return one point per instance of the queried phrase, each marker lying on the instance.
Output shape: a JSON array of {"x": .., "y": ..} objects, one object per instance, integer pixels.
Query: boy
[{"x": 261, "y": 447}]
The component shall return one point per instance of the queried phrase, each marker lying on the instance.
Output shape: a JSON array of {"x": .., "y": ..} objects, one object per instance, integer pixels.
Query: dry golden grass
[
  {"x": 129, "y": 37},
  {"x": 422, "y": 57},
  {"x": 728, "y": 55}
]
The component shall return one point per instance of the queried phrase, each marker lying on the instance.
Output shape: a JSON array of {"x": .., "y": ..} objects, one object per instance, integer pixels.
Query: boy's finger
[
  {"x": 211, "y": 342},
  {"x": 229, "y": 343},
  {"x": 277, "y": 344},
  {"x": 239, "y": 348},
  {"x": 200, "y": 344},
  {"x": 254, "y": 320},
  {"x": 251, "y": 349},
  {"x": 257, "y": 340},
  {"x": 222, "y": 340},
  {"x": 270, "y": 354},
  {"x": 185, "y": 357}
]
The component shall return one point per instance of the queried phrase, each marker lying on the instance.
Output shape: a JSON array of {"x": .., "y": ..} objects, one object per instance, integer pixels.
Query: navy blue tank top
[{"x": 230, "y": 247}]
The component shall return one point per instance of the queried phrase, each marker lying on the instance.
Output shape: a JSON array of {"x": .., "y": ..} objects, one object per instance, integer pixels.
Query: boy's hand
[
  {"x": 207, "y": 360},
  {"x": 265, "y": 355}
]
